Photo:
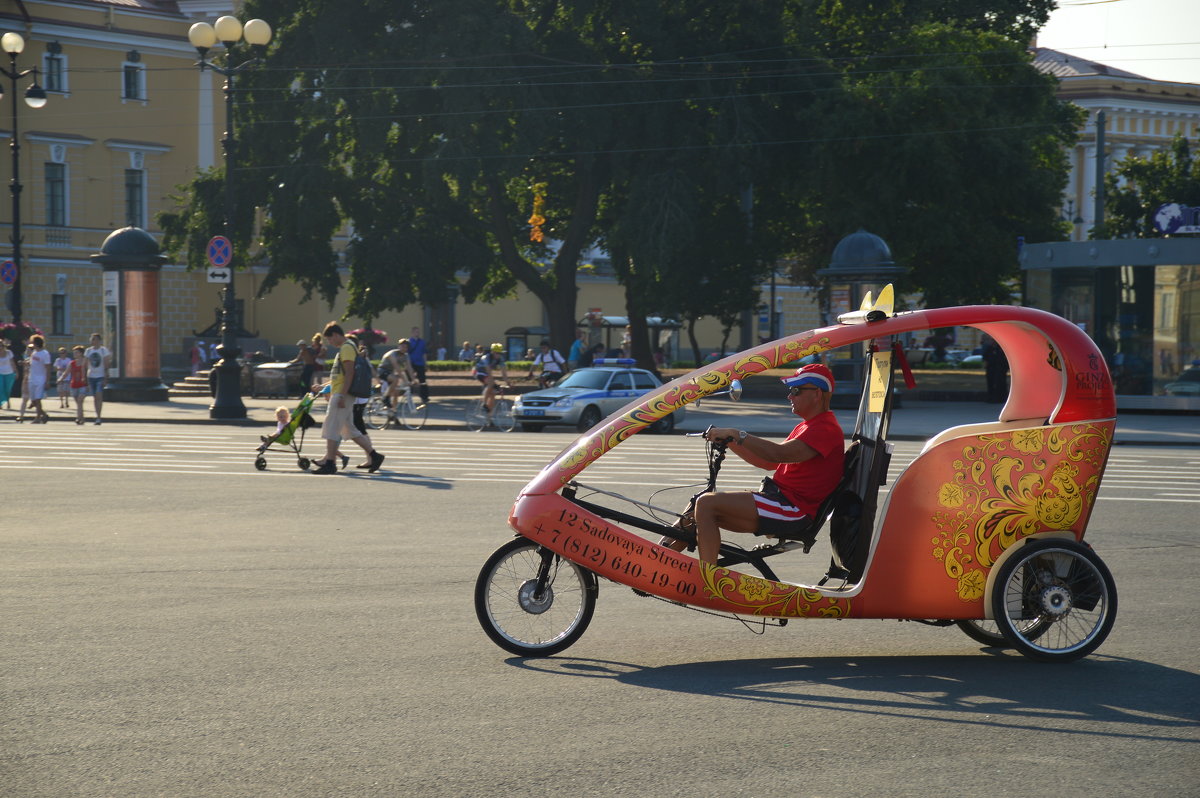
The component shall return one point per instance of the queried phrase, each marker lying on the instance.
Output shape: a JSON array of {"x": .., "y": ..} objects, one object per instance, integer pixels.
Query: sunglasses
[{"x": 796, "y": 391}]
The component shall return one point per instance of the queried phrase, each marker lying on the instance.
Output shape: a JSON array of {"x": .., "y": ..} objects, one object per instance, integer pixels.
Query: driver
[{"x": 807, "y": 466}]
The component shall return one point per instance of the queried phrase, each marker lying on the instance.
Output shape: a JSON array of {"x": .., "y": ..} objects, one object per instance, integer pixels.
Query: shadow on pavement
[{"x": 1111, "y": 696}]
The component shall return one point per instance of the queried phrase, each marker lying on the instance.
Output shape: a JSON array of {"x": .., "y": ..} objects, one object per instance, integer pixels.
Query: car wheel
[
  {"x": 589, "y": 418},
  {"x": 664, "y": 426}
]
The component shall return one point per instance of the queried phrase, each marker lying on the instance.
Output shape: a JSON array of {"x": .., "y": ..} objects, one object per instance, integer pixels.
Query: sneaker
[
  {"x": 97, "y": 422},
  {"x": 325, "y": 468},
  {"x": 376, "y": 462}
]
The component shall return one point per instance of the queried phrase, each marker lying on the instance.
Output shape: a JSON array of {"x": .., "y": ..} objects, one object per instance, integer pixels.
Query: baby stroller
[{"x": 291, "y": 436}]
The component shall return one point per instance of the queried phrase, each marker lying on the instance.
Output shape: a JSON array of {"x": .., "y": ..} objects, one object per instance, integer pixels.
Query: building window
[
  {"x": 133, "y": 82},
  {"x": 54, "y": 71},
  {"x": 135, "y": 198},
  {"x": 60, "y": 317},
  {"x": 56, "y": 195}
]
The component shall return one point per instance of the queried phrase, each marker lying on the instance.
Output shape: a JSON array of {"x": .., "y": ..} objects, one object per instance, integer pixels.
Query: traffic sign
[
  {"x": 8, "y": 272},
  {"x": 217, "y": 275},
  {"x": 220, "y": 252}
]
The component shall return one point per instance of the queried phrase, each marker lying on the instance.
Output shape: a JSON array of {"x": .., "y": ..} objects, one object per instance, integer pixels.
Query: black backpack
[{"x": 360, "y": 385}]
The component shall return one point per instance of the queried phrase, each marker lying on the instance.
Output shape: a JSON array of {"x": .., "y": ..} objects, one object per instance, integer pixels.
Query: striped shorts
[{"x": 776, "y": 516}]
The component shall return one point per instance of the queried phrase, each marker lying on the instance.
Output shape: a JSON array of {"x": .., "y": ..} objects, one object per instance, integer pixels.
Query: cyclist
[
  {"x": 552, "y": 365},
  {"x": 485, "y": 372},
  {"x": 396, "y": 372}
]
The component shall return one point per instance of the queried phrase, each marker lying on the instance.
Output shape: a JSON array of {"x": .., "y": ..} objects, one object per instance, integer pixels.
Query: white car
[
  {"x": 588, "y": 395},
  {"x": 1188, "y": 384}
]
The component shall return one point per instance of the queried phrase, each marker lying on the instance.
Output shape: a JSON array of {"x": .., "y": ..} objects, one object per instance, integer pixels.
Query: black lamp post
[
  {"x": 228, "y": 31},
  {"x": 35, "y": 97}
]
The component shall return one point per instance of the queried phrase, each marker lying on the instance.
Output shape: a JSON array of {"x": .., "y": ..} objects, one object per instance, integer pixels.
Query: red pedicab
[{"x": 983, "y": 529}]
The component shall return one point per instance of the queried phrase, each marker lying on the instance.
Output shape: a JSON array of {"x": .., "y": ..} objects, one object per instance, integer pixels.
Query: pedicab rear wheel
[
  {"x": 532, "y": 602},
  {"x": 1062, "y": 591},
  {"x": 260, "y": 463},
  {"x": 988, "y": 632}
]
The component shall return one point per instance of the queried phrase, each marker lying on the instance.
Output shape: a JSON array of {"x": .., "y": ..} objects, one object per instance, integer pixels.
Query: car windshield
[
  {"x": 585, "y": 378},
  {"x": 1190, "y": 376}
]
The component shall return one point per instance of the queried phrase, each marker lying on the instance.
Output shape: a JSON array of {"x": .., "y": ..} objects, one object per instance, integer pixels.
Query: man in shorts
[
  {"x": 339, "y": 419},
  {"x": 807, "y": 467},
  {"x": 98, "y": 359}
]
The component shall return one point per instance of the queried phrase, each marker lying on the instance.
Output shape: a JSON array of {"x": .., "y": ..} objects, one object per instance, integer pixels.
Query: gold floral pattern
[
  {"x": 758, "y": 596},
  {"x": 659, "y": 405},
  {"x": 1007, "y": 486}
]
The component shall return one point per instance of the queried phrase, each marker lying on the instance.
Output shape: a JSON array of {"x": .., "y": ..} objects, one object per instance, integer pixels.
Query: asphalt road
[{"x": 179, "y": 624}]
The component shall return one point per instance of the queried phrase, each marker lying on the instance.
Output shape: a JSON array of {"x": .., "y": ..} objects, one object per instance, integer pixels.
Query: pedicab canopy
[
  {"x": 972, "y": 495},
  {"x": 1057, "y": 374}
]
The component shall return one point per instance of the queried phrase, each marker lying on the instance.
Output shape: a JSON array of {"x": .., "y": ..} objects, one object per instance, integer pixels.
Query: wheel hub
[
  {"x": 1056, "y": 600},
  {"x": 531, "y": 601}
]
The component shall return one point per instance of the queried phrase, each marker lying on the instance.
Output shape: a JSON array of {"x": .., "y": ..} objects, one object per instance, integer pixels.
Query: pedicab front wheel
[
  {"x": 532, "y": 602},
  {"x": 1062, "y": 591}
]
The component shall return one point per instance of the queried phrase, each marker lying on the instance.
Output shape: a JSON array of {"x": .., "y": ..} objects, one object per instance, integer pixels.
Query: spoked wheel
[
  {"x": 376, "y": 413},
  {"x": 988, "y": 632},
  {"x": 476, "y": 416},
  {"x": 260, "y": 463},
  {"x": 1062, "y": 591},
  {"x": 412, "y": 414},
  {"x": 502, "y": 416},
  {"x": 532, "y": 602}
]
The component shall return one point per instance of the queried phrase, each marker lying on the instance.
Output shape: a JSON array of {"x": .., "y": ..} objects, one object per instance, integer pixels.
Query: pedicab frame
[{"x": 973, "y": 500}]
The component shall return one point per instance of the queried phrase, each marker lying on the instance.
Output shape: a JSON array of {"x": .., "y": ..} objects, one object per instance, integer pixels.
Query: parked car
[
  {"x": 586, "y": 396},
  {"x": 1188, "y": 384}
]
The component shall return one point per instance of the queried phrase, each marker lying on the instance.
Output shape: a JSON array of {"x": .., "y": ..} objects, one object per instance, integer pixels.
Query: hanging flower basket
[{"x": 16, "y": 333}]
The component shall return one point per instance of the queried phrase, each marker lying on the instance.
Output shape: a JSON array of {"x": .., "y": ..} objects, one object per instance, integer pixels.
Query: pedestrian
[
  {"x": 575, "y": 353},
  {"x": 996, "y": 370},
  {"x": 589, "y": 357},
  {"x": 37, "y": 374},
  {"x": 63, "y": 379},
  {"x": 339, "y": 419},
  {"x": 416, "y": 356},
  {"x": 8, "y": 373},
  {"x": 441, "y": 353},
  {"x": 196, "y": 356},
  {"x": 98, "y": 358},
  {"x": 77, "y": 377},
  {"x": 307, "y": 359},
  {"x": 466, "y": 352}
]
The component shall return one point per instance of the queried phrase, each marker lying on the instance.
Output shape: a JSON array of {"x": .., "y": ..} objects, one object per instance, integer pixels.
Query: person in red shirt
[
  {"x": 77, "y": 374},
  {"x": 807, "y": 467}
]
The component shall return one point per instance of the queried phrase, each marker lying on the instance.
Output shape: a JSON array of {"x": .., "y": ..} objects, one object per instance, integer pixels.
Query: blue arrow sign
[
  {"x": 8, "y": 272},
  {"x": 220, "y": 251}
]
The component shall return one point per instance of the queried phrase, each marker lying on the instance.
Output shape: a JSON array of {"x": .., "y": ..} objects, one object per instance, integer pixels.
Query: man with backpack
[
  {"x": 552, "y": 365},
  {"x": 339, "y": 420}
]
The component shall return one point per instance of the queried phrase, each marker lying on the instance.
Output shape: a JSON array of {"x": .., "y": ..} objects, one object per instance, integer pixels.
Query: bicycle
[
  {"x": 409, "y": 411},
  {"x": 501, "y": 418}
]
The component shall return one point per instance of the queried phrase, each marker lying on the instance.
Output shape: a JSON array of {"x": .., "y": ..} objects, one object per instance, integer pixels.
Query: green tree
[{"x": 1137, "y": 187}]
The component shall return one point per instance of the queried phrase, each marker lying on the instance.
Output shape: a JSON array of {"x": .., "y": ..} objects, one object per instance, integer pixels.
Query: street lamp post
[
  {"x": 35, "y": 97},
  {"x": 228, "y": 31}
]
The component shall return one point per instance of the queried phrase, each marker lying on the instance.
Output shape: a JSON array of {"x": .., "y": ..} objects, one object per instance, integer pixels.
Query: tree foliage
[
  {"x": 1137, "y": 187},
  {"x": 639, "y": 125}
]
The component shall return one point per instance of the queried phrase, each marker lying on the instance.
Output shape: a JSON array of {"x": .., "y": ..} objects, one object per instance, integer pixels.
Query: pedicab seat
[
  {"x": 805, "y": 531},
  {"x": 969, "y": 430}
]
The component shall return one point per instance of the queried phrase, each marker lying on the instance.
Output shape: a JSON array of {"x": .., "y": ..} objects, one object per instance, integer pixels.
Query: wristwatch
[{"x": 742, "y": 436}]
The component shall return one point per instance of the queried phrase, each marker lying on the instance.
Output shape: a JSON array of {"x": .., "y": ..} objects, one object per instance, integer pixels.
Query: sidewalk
[{"x": 914, "y": 421}]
